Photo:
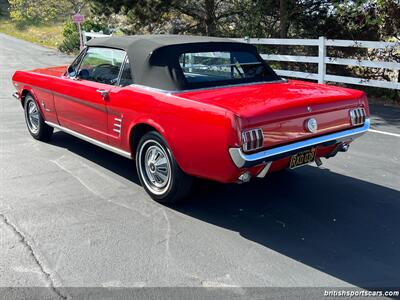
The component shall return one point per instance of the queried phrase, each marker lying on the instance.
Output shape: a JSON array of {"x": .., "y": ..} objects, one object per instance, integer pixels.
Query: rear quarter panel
[{"x": 198, "y": 134}]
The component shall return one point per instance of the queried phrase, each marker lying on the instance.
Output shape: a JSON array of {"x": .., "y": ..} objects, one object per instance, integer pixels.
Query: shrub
[
  {"x": 35, "y": 11},
  {"x": 71, "y": 34}
]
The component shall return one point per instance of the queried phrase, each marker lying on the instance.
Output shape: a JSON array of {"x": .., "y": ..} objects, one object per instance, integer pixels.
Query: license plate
[{"x": 302, "y": 158}]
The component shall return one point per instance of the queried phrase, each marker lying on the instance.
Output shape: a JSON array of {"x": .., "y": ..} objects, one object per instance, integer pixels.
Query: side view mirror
[
  {"x": 71, "y": 72},
  {"x": 83, "y": 74}
]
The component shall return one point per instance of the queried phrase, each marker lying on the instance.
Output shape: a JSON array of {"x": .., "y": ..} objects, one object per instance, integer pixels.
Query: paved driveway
[{"x": 72, "y": 214}]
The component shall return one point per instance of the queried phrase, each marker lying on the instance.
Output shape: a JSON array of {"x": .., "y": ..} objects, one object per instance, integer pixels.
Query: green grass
[{"x": 48, "y": 35}]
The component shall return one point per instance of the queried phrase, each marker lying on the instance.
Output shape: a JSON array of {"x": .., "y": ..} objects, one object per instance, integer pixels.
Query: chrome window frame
[
  {"x": 82, "y": 55},
  {"x": 122, "y": 70}
]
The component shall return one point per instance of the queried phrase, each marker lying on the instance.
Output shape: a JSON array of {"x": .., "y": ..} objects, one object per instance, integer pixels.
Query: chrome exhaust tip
[
  {"x": 245, "y": 177},
  {"x": 343, "y": 147}
]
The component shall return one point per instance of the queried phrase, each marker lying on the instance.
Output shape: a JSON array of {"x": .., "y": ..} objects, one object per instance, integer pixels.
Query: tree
[
  {"x": 348, "y": 19},
  {"x": 283, "y": 16},
  {"x": 186, "y": 16},
  {"x": 208, "y": 15},
  {"x": 40, "y": 11},
  {"x": 76, "y": 6}
]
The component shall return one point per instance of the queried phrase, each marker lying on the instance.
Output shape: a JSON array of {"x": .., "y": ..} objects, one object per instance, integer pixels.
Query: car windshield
[{"x": 224, "y": 66}]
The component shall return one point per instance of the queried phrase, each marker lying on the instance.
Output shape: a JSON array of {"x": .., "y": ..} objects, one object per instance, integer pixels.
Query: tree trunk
[
  {"x": 283, "y": 29},
  {"x": 210, "y": 19},
  {"x": 283, "y": 17}
]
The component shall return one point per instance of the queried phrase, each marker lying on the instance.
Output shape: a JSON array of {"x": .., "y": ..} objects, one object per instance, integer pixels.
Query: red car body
[{"x": 202, "y": 126}]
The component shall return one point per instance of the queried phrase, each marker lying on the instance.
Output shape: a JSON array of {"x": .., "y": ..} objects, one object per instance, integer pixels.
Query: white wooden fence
[
  {"x": 91, "y": 34},
  {"x": 322, "y": 59}
]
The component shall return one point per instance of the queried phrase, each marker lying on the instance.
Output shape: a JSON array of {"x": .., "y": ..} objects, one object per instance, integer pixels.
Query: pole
[{"x": 80, "y": 36}]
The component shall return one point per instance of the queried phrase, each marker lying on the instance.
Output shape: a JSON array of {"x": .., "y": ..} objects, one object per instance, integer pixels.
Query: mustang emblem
[{"x": 311, "y": 125}]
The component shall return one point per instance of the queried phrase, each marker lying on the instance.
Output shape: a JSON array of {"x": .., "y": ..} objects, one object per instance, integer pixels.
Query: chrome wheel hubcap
[
  {"x": 33, "y": 117},
  {"x": 155, "y": 167}
]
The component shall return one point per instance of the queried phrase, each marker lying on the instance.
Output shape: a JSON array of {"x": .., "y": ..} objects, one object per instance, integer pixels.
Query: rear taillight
[
  {"x": 357, "y": 116},
  {"x": 252, "y": 139}
]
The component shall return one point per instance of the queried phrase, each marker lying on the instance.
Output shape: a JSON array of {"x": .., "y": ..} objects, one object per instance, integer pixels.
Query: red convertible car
[{"x": 185, "y": 106}]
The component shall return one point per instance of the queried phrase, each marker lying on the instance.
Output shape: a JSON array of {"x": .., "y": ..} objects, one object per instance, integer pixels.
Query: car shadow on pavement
[
  {"x": 342, "y": 226},
  {"x": 111, "y": 161}
]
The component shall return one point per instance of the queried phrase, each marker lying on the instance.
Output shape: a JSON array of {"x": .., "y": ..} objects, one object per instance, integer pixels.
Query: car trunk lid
[{"x": 281, "y": 110}]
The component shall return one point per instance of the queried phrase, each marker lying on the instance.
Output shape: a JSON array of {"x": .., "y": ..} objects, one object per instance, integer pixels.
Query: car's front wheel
[
  {"x": 34, "y": 120},
  {"x": 158, "y": 171}
]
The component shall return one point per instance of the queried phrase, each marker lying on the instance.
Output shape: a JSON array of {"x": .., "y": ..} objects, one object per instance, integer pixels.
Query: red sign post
[{"x": 78, "y": 19}]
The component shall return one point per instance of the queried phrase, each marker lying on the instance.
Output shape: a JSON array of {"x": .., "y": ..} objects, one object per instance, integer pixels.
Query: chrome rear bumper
[{"x": 242, "y": 160}]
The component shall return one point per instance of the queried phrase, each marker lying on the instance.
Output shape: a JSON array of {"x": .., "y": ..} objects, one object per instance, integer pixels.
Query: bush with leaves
[
  {"x": 35, "y": 11},
  {"x": 71, "y": 35},
  {"x": 42, "y": 11}
]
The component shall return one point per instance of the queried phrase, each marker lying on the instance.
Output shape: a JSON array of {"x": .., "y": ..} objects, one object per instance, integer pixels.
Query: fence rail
[
  {"x": 322, "y": 59},
  {"x": 91, "y": 35}
]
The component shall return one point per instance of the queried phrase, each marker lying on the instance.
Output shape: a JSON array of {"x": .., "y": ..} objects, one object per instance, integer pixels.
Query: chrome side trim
[
  {"x": 16, "y": 95},
  {"x": 265, "y": 170},
  {"x": 149, "y": 88},
  {"x": 242, "y": 160},
  {"x": 91, "y": 140},
  {"x": 117, "y": 125}
]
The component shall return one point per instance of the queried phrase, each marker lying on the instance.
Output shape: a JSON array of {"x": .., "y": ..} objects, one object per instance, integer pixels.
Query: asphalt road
[{"x": 74, "y": 215}]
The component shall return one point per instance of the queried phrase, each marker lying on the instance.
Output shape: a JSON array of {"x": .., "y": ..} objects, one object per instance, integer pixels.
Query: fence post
[
  {"x": 321, "y": 60},
  {"x": 84, "y": 38}
]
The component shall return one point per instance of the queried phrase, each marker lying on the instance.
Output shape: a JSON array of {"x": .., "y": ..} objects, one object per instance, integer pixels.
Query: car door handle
[{"x": 103, "y": 93}]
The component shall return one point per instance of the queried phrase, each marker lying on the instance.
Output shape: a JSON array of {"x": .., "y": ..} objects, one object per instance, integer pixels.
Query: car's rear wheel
[
  {"x": 34, "y": 120},
  {"x": 158, "y": 171}
]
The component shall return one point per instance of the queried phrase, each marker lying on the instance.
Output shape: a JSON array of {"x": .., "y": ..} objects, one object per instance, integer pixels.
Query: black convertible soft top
[{"x": 154, "y": 58}]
